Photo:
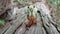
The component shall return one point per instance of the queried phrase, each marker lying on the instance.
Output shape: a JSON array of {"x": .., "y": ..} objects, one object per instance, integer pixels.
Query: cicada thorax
[{"x": 31, "y": 13}]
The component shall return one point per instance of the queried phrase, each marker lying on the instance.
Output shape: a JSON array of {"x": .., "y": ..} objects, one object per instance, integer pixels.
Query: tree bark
[{"x": 45, "y": 23}]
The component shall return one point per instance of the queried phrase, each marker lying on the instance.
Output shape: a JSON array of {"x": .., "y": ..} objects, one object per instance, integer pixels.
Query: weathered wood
[
  {"x": 48, "y": 23},
  {"x": 45, "y": 24},
  {"x": 4, "y": 5}
]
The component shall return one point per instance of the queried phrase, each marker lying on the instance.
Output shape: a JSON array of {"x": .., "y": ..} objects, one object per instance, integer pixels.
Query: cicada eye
[
  {"x": 34, "y": 6},
  {"x": 28, "y": 6}
]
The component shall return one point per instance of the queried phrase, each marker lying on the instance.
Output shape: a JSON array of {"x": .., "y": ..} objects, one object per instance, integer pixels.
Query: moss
[{"x": 2, "y": 21}]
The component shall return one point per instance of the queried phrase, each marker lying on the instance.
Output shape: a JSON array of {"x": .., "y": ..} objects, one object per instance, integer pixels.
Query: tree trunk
[{"x": 45, "y": 23}]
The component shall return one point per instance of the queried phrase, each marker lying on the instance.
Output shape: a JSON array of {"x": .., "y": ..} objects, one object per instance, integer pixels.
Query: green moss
[{"x": 2, "y": 21}]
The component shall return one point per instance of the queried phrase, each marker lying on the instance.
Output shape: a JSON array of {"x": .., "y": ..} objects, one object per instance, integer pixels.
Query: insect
[{"x": 31, "y": 15}]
